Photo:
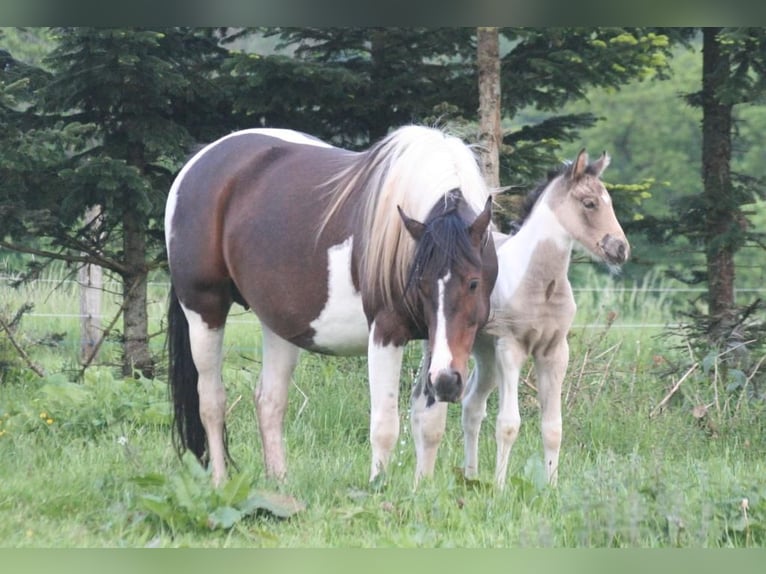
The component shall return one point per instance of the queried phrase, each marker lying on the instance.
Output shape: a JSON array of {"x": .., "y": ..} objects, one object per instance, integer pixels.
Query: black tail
[{"x": 189, "y": 434}]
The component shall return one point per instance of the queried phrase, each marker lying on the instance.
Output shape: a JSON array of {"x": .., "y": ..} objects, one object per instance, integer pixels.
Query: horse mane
[
  {"x": 533, "y": 196},
  {"x": 413, "y": 167}
]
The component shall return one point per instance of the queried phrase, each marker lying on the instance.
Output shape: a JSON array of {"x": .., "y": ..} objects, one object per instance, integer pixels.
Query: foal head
[
  {"x": 584, "y": 208},
  {"x": 451, "y": 278}
]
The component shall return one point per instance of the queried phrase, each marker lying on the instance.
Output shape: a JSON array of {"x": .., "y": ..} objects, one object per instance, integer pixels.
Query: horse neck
[{"x": 542, "y": 247}]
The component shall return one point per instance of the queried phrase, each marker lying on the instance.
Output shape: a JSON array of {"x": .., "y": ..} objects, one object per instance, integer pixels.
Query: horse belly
[{"x": 341, "y": 327}]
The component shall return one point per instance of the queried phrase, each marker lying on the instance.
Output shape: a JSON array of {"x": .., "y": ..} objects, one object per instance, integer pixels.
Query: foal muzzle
[{"x": 616, "y": 250}]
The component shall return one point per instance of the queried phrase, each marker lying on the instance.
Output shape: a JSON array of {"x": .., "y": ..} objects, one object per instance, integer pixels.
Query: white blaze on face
[
  {"x": 341, "y": 327},
  {"x": 441, "y": 356}
]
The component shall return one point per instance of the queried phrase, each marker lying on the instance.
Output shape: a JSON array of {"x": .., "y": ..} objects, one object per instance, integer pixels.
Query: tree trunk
[
  {"x": 490, "y": 134},
  {"x": 90, "y": 278},
  {"x": 721, "y": 209},
  {"x": 136, "y": 355}
]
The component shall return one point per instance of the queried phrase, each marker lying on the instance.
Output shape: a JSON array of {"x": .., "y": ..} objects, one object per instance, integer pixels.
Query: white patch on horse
[
  {"x": 206, "y": 346},
  {"x": 441, "y": 357},
  {"x": 170, "y": 205},
  {"x": 605, "y": 197},
  {"x": 282, "y": 134},
  {"x": 341, "y": 327},
  {"x": 384, "y": 364},
  {"x": 285, "y": 135},
  {"x": 521, "y": 247}
]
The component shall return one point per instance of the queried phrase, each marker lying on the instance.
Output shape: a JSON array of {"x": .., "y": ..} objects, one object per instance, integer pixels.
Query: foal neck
[{"x": 542, "y": 245}]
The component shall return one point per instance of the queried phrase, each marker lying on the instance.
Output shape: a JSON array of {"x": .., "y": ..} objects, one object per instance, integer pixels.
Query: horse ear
[
  {"x": 414, "y": 227},
  {"x": 601, "y": 163},
  {"x": 479, "y": 226},
  {"x": 579, "y": 166}
]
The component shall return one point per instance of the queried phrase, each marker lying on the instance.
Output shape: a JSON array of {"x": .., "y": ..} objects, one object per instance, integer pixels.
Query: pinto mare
[
  {"x": 532, "y": 308},
  {"x": 309, "y": 236}
]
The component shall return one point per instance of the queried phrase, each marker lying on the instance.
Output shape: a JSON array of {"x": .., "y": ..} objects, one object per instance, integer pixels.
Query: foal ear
[
  {"x": 414, "y": 227},
  {"x": 580, "y": 165},
  {"x": 601, "y": 164},
  {"x": 479, "y": 226}
]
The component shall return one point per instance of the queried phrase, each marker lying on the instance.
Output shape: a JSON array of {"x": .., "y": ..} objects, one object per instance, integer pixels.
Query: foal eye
[
  {"x": 473, "y": 284},
  {"x": 589, "y": 203}
]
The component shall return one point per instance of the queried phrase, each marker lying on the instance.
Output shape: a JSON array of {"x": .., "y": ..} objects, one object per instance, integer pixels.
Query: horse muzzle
[
  {"x": 445, "y": 386},
  {"x": 616, "y": 251}
]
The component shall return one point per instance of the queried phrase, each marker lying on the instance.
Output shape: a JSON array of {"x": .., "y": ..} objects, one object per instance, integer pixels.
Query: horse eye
[
  {"x": 589, "y": 203},
  {"x": 473, "y": 284}
]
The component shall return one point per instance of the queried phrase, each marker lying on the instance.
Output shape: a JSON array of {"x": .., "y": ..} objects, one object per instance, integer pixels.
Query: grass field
[{"x": 90, "y": 463}]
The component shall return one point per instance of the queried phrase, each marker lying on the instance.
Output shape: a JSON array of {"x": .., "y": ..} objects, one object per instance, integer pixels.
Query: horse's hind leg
[
  {"x": 279, "y": 360},
  {"x": 207, "y": 350},
  {"x": 480, "y": 384},
  {"x": 551, "y": 369}
]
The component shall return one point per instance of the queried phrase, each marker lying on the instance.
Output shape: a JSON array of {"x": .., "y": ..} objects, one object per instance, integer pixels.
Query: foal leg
[
  {"x": 384, "y": 363},
  {"x": 279, "y": 360},
  {"x": 428, "y": 423},
  {"x": 480, "y": 384},
  {"x": 551, "y": 369},
  {"x": 207, "y": 352},
  {"x": 510, "y": 358}
]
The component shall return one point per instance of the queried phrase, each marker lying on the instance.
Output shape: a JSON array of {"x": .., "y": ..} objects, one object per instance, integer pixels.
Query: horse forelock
[
  {"x": 414, "y": 168},
  {"x": 445, "y": 241}
]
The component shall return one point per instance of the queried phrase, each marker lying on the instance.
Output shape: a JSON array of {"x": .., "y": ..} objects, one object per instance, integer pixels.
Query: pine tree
[
  {"x": 117, "y": 117},
  {"x": 351, "y": 85},
  {"x": 733, "y": 73}
]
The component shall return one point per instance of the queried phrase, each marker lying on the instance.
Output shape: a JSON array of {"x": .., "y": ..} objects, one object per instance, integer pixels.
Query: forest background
[{"x": 97, "y": 121}]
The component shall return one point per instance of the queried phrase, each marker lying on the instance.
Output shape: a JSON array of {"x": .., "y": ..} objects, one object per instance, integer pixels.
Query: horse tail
[{"x": 188, "y": 432}]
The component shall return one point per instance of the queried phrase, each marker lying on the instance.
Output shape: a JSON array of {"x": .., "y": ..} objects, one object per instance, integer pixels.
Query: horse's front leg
[
  {"x": 384, "y": 364},
  {"x": 481, "y": 382},
  {"x": 509, "y": 359},
  {"x": 551, "y": 369},
  {"x": 428, "y": 422}
]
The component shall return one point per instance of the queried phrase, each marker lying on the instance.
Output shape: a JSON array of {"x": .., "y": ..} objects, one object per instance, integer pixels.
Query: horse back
[{"x": 245, "y": 227}]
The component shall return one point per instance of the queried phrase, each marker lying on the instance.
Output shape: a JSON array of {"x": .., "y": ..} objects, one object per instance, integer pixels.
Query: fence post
[{"x": 90, "y": 278}]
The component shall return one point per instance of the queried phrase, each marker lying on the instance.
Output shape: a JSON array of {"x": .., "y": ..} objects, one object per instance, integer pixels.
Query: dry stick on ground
[
  {"x": 22, "y": 353},
  {"x": 578, "y": 381},
  {"x": 672, "y": 391},
  {"x": 234, "y": 404},
  {"x": 605, "y": 375},
  {"x": 747, "y": 381}
]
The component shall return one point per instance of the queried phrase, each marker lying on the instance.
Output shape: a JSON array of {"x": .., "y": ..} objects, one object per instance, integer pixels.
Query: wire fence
[{"x": 158, "y": 295}]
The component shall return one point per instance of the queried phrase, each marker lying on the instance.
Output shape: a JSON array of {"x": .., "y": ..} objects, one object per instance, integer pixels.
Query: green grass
[{"x": 630, "y": 475}]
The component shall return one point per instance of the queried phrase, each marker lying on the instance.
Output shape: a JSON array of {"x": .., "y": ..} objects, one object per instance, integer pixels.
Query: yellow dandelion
[
  {"x": 43, "y": 415},
  {"x": 49, "y": 421}
]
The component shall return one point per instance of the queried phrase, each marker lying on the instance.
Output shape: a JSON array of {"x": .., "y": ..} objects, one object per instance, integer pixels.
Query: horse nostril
[
  {"x": 615, "y": 250},
  {"x": 621, "y": 251}
]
